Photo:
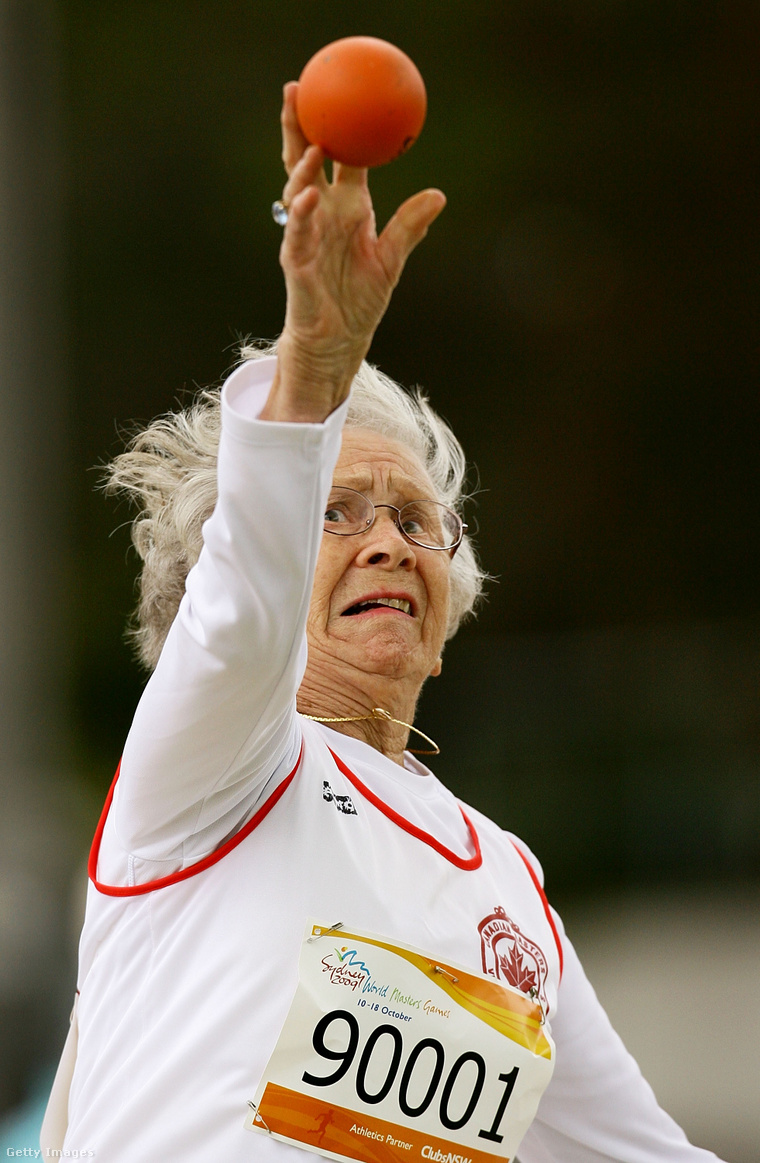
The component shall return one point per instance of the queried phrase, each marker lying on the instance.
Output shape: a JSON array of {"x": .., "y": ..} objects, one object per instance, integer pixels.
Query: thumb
[{"x": 407, "y": 228}]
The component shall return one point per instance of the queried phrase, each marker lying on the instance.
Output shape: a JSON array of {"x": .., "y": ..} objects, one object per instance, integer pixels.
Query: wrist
[{"x": 310, "y": 381}]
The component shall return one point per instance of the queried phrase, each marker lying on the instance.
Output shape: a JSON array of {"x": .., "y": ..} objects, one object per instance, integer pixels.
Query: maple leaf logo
[
  {"x": 507, "y": 953},
  {"x": 514, "y": 970}
]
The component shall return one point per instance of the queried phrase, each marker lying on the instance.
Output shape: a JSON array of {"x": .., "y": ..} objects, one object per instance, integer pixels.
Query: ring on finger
[{"x": 280, "y": 212}]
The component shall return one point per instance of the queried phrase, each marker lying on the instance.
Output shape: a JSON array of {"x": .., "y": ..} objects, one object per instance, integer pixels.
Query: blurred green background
[{"x": 585, "y": 314}]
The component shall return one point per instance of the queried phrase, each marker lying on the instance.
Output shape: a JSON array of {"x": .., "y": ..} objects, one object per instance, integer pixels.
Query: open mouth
[{"x": 403, "y": 605}]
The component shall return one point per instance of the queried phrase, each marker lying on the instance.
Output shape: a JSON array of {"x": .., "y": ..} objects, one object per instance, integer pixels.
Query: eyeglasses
[{"x": 425, "y": 523}]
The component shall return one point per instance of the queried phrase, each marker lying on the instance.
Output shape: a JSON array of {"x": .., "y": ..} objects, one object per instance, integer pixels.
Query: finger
[
  {"x": 349, "y": 175},
  {"x": 294, "y": 144},
  {"x": 300, "y": 214},
  {"x": 407, "y": 228},
  {"x": 307, "y": 172}
]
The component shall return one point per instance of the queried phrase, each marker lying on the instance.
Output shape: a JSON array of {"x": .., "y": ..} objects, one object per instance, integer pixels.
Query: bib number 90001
[{"x": 421, "y": 1076}]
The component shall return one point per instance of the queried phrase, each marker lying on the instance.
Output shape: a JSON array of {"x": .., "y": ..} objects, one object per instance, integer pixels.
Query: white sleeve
[
  {"x": 217, "y": 718},
  {"x": 598, "y": 1108}
]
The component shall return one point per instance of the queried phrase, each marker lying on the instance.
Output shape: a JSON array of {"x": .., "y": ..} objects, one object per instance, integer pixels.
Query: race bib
[{"x": 388, "y": 1054}]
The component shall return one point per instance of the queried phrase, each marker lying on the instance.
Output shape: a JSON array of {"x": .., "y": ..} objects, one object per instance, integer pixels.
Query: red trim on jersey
[
  {"x": 545, "y": 902},
  {"x": 468, "y": 863},
  {"x": 194, "y": 869}
]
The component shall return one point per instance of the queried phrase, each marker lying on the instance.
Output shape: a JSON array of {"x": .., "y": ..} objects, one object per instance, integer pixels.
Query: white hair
[{"x": 169, "y": 471}]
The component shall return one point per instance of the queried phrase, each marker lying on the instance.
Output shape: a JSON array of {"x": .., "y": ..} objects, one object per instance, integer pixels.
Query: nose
[{"x": 384, "y": 544}]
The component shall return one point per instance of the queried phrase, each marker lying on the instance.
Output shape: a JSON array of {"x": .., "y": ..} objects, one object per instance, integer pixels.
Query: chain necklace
[{"x": 379, "y": 713}]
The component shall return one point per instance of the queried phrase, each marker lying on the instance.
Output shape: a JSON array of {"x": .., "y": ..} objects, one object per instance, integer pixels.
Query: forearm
[{"x": 598, "y": 1108}]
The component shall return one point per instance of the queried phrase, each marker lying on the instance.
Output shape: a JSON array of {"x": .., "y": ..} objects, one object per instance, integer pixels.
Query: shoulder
[{"x": 507, "y": 840}]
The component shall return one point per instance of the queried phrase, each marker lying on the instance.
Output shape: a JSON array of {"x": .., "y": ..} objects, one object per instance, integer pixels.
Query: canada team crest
[{"x": 510, "y": 956}]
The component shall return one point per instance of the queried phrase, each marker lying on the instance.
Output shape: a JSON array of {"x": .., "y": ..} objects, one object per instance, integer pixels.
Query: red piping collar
[{"x": 468, "y": 863}]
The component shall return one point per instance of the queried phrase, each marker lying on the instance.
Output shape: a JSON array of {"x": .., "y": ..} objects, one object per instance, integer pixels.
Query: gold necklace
[{"x": 379, "y": 713}]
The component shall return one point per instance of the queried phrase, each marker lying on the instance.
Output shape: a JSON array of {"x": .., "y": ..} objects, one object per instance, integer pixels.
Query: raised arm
[{"x": 217, "y": 719}]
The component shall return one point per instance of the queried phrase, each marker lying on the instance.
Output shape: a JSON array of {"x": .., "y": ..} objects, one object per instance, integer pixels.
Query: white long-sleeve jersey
[{"x": 233, "y": 821}]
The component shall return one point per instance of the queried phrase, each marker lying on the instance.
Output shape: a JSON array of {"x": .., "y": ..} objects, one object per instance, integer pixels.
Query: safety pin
[
  {"x": 324, "y": 932},
  {"x": 534, "y": 996},
  {"x": 445, "y": 972},
  {"x": 257, "y": 1118}
]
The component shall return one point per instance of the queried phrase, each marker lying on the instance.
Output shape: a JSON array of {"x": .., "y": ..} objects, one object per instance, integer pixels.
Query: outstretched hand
[{"x": 339, "y": 274}]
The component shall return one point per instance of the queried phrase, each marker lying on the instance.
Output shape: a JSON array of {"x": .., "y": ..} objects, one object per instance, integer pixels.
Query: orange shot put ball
[{"x": 362, "y": 100}]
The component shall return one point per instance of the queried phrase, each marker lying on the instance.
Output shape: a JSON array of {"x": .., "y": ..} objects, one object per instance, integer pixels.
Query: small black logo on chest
[{"x": 343, "y": 803}]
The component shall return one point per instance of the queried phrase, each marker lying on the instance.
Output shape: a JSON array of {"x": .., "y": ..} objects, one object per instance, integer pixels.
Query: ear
[{"x": 437, "y": 668}]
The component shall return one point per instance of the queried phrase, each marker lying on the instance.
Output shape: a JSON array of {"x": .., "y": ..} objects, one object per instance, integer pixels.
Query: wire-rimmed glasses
[{"x": 428, "y": 524}]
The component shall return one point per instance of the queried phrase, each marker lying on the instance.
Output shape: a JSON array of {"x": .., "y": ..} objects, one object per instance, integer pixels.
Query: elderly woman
[{"x": 296, "y": 937}]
